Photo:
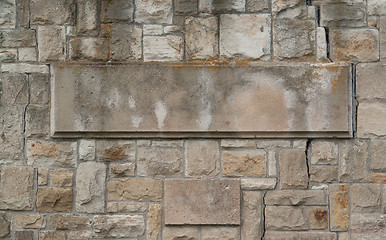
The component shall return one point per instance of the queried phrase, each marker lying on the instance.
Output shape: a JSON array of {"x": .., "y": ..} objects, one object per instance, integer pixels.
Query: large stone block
[
  {"x": 246, "y": 163},
  {"x": 119, "y": 226},
  {"x": 8, "y": 13},
  {"x": 118, "y": 10},
  {"x": 144, "y": 189},
  {"x": 24, "y": 68},
  {"x": 258, "y": 184},
  {"x": 202, "y": 202},
  {"x": 378, "y": 155},
  {"x": 69, "y": 222},
  {"x": 154, "y": 11},
  {"x": 220, "y": 233},
  {"x": 296, "y": 198},
  {"x": 163, "y": 48},
  {"x": 339, "y": 204},
  {"x": 368, "y": 227},
  {"x": 122, "y": 170},
  {"x": 366, "y": 198},
  {"x": 245, "y": 36},
  {"x": 116, "y": 150},
  {"x": 94, "y": 49},
  {"x": 257, "y": 5},
  {"x": 202, "y": 158},
  {"x": 227, "y": 6},
  {"x": 87, "y": 16},
  {"x": 369, "y": 84},
  {"x": 285, "y": 218},
  {"x": 376, "y": 7},
  {"x": 51, "y": 43},
  {"x": 16, "y": 188},
  {"x": 11, "y": 130},
  {"x": 154, "y": 222},
  {"x": 61, "y": 177},
  {"x": 51, "y": 154},
  {"x": 185, "y": 7},
  {"x": 293, "y": 169},
  {"x": 15, "y": 89},
  {"x": 52, "y": 235},
  {"x": 4, "y": 226},
  {"x": 30, "y": 221},
  {"x": 353, "y": 157},
  {"x": 324, "y": 152},
  {"x": 37, "y": 121},
  {"x": 289, "y": 9},
  {"x": 323, "y": 174},
  {"x": 8, "y": 55},
  {"x": 54, "y": 200},
  {"x": 87, "y": 150},
  {"x": 343, "y": 15},
  {"x": 251, "y": 212},
  {"x": 24, "y": 235},
  {"x": 175, "y": 233},
  {"x": 318, "y": 218},
  {"x": 58, "y": 12},
  {"x": 17, "y": 38},
  {"x": 23, "y": 13},
  {"x": 39, "y": 88},
  {"x": 271, "y": 235},
  {"x": 370, "y": 121}
]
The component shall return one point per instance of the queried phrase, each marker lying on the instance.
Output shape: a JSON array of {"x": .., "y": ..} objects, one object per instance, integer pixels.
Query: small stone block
[{"x": 258, "y": 184}]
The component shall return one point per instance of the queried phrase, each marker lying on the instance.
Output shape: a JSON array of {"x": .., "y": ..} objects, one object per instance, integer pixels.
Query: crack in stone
[
  {"x": 263, "y": 216},
  {"x": 308, "y": 158}
]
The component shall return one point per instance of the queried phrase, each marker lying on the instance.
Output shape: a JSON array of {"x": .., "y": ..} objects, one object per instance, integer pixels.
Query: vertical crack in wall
[
  {"x": 26, "y": 106},
  {"x": 327, "y": 30},
  {"x": 308, "y": 159},
  {"x": 354, "y": 109},
  {"x": 263, "y": 230}
]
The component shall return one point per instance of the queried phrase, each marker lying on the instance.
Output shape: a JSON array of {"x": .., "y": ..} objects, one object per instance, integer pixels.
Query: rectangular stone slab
[
  {"x": 201, "y": 100},
  {"x": 213, "y": 201}
]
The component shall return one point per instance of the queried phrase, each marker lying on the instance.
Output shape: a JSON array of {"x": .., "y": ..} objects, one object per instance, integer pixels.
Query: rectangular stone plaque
[
  {"x": 202, "y": 202},
  {"x": 193, "y": 100}
]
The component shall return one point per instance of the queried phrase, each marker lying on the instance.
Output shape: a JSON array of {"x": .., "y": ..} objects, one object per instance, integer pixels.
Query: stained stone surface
[
  {"x": 164, "y": 99},
  {"x": 202, "y": 202}
]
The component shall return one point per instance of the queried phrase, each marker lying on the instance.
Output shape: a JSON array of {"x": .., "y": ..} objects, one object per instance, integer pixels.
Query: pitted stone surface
[{"x": 202, "y": 202}]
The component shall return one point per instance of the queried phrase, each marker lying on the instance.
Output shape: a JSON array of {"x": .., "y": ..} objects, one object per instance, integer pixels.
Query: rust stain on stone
[
  {"x": 320, "y": 215},
  {"x": 114, "y": 153}
]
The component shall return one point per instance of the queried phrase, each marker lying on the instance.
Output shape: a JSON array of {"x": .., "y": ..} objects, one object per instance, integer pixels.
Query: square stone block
[{"x": 214, "y": 202}]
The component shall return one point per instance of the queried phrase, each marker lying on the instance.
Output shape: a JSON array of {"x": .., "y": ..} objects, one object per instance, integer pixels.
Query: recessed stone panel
[{"x": 202, "y": 99}]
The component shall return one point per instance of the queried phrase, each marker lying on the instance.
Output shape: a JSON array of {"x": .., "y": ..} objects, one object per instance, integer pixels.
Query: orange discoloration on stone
[
  {"x": 40, "y": 149},
  {"x": 376, "y": 177}
]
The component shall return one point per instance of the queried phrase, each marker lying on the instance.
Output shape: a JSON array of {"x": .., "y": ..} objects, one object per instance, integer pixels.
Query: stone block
[
  {"x": 144, "y": 189},
  {"x": 286, "y": 218},
  {"x": 52, "y": 235},
  {"x": 59, "y": 12},
  {"x": 93, "y": 49},
  {"x": 366, "y": 198},
  {"x": 37, "y": 121},
  {"x": 51, "y": 43},
  {"x": 353, "y": 157},
  {"x": 119, "y": 10},
  {"x": 16, "y": 188},
  {"x": 324, "y": 152},
  {"x": 154, "y": 222},
  {"x": 376, "y": 7},
  {"x": 116, "y": 150},
  {"x": 30, "y": 221},
  {"x": 220, "y": 233},
  {"x": 369, "y": 120},
  {"x": 318, "y": 218},
  {"x": 368, "y": 227},
  {"x": 85, "y": 234},
  {"x": 61, "y": 177},
  {"x": 185, "y": 7},
  {"x": 90, "y": 187},
  {"x": 163, "y": 48},
  {"x": 343, "y": 15},
  {"x": 358, "y": 45},
  {"x": 339, "y": 205},
  {"x": 11, "y": 125},
  {"x": 271, "y": 235},
  {"x": 293, "y": 38},
  {"x": 24, "y": 68},
  {"x": 24, "y": 235},
  {"x": 8, "y": 55},
  {"x": 119, "y": 226},
  {"x": 15, "y": 89},
  {"x": 227, "y": 6},
  {"x": 167, "y": 143},
  {"x": 4, "y": 226},
  {"x": 324, "y": 174},
  {"x": 153, "y": 29},
  {"x": 87, "y": 150},
  {"x": 251, "y": 212},
  {"x": 258, "y": 184},
  {"x": 376, "y": 177},
  {"x": 296, "y": 198},
  {"x": 202, "y": 158},
  {"x": 154, "y": 11},
  {"x": 69, "y": 222},
  {"x": 289, "y": 9},
  {"x": 321, "y": 44},
  {"x": 51, "y": 154},
  {"x": 122, "y": 170},
  {"x": 176, "y": 233},
  {"x": 23, "y": 13},
  {"x": 27, "y": 54},
  {"x": 293, "y": 169},
  {"x": 8, "y": 13},
  {"x": 42, "y": 176},
  {"x": 201, "y": 38},
  {"x": 272, "y": 143},
  {"x": 202, "y": 202},
  {"x": 126, "y": 207},
  {"x": 235, "y": 143},
  {"x": 272, "y": 164},
  {"x": 257, "y": 5},
  {"x": 245, "y": 36},
  {"x": 54, "y": 200},
  {"x": 247, "y": 163},
  {"x": 382, "y": 37},
  {"x": 10, "y": 38},
  {"x": 87, "y": 16},
  {"x": 369, "y": 84}
]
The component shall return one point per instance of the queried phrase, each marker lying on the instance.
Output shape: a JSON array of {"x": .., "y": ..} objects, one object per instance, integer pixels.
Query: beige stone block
[
  {"x": 127, "y": 207},
  {"x": 353, "y": 157},
  {"x": 251, "y": 212},
  {"x": 220, "y": 233},
  {"x": 368, "y": 227},
  {"x": 323, "y": 174},
  {"x": 12, "y": 142},
  {"x": 5, "y": 223},
  {"x": 257, "y": 5},
  {"x": 217, "y": 6},
  {"x": 236, "y": 143},
  {"x": 54, "y": 200},
  {"x": 376, "y": 7},
  {"x": 369, "y": 84},
  {"x": 24, "y": 68},
  {"x": 59, "y": 12},
  {"x": 293, "y": 169},
  {"x": 119, "y": 226},
  {"x": 286, "y": 218},
  {"x": 51, "y": 43},
  {"x": 44, "y": 153},
  {"x": 144, "y": 189},
  {"x": 37, "y": 121},
  {"x": 85, "y": 234},
  {"x": 376, "y": 177},
  {"x": 61, "y": 177},
  {"x": 27, "y": 55},
  {"x": 339, "y": 205},
  {"x": 344, "y": 236},
  {"x": 39, "y": 88},
  {"x": 272, "y": 164},
  {"x": 343, "y": 15},
  {"x": 153, "y": 29},
  {"x": 122, "y": 170},
  {"x": 69, "y": 222},
  {"x": 15, "y": 89},
  {"x": 366, "y": 198},
  {"x": 202, "y": 202},
  {"x": 163, "y": 48},
  {"x": 167, "y": 143},
  {"x": 266, "y": 143},
  {"x": 8, "y": 13},
  {"x": 12, "y": 38},
  {"x": 154, "y": 222},
  {"x": 87, "y": 16},
  {"x": 185, "y": 7},
  {"x": 289, "y": 9},
  {"x": 110, "y": 150},
  {"x": 370, "y": 117},
  {"x": 8, "y": 55},
  {"x": 154, "y": 11},
  {"x": 92, "y": 49},
  {"x": 175, "y": 233},
  {"x": 247, "y": 163},
  {"x": 258, "y": 184},
  {"x": 324, "y": 152},
  {"x": 271, "y": 235},
  {"x": 30, "y": 221},
  {"x": 52, "y": 235},
  {"x": 42, "y": 176},
  {"x": 318, "y": 218},
  {"x": 202, "y": 158},
  {"x": 87, "y": 150},
  {"x": 117, "y": 10},
  {"x": 24, "y": 235},
  {"x": 296, "y": 198}
]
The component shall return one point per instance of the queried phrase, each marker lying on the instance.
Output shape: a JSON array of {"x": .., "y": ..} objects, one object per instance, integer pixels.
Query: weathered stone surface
[
  {"x": 86, "y": 19},
  {"x": 382, "y": 36},
  {"x": 23, "y": 13},
  {"x": 152, "y": 29},
  {"x": 85, "y": 234},
  {"x": 15, "y": 89},
  {"x": 54, "y": 200},
  {"x": 86, "y": 150},
  {"x": 16, "y": 188},
  {"x": 323, "y": 174},
  {"x": 52, "y": 235},
  {"x": 324, "y": 152},
  {"x": 61, "y": 177},
  {"x": 144, "y": 189},
  {"x": 42, "y": 176},
  {"x": 59, "y": 12},
  {"x": 30, "y": 221},
  {"x": 201, "y": 38},
  {"x": 11, "y": 128},
  {"x": 202, "y": 202},
  {"x": 176, "y": 233},
  {"x": 369, "y": 84},
  {"x": 258, "y": 184},
  {"x": 339, "y": 204},
  {"x": 94, "y": 49},
  {"x": 319, "y": 218},
  {"x": 37, "y": 121},
  {"x": 369, "y": 119},
  {"x": 266, "y": 143},
  {"x": 17, "y": 38},
  {"x": 160, "y": 162},
  {"x": 251, "y": 212},
  {"x": 245, "y": 36},
  {"x": 221, "y": 6},
  {"x": 342, "y": 15},
  {"x": 126, "y": 207},
  {"x": 69, "y": 222},
  {"x": 90, "y": 187},
  {"x": 296, "y": 197},
  {"x": 272, "y": 164},
  {"x": 235, "y": 143},
  {"x": 8, "y": 55},
  {"x": 270, "y": 235},
  {"x": 220, "y": 233},
  {"x": 185, "y": 7},
  {"x": 293, "y": 169},
  {"x": 154, "y": 11},
  {"x": 24, "y": 235},
  {"x": 122, "y": 170},
  {"x": 293, "y": 38},
  {"x": 167, "y": 143},
  {"x": 24, "y": 68},
  {"x": 119, "y": 226},
  {"x": 353, "y": 157},
  {"x": 376, "y": 7},
  {"x": 368, "y": 227},
  {"x": 366, "y": 198},
  {"x": 115, "y": 150},
  {"x": 354, "y": 45},
  {"x": 257, "y": 5},
  {"x": 376, "y": 177},
  {"x": 51, "y": 43},
  {"x": 154, "y": 222},
  {"x": 4, "y": 226},
  {"x": 119, "y": 10},
  {"x": 249, "y": 163},
  {"x": 289, "y": 9},
  {"x": 51, "y": 154},
  {"x": 27, "y": 54},
  {"x": 285, "y": 218},
  {"x": 8, "y": 13},
  {"x": 163, "y": 48},
  {"x": 321, "y": 44},
  {"x": 202, "y": 158}
]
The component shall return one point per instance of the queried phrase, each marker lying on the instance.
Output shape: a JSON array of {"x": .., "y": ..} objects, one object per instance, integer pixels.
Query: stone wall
[{"x": 95, "y": 188}]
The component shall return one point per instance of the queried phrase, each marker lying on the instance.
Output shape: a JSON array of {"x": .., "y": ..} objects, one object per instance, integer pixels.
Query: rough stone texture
[
  {"x": 90, "y": 187},
  {"x": 37, "y": 121},
  {"x": 131, "y": 207},
  {"x": 118, "y": 226},
  {"x": 59, "y": 12},
  {"x": 17, "y": 38},
  {"x": 42, "y": 176},
  {"x": 30, "y": 221},
  {"x": 8, "y": 55},
  {"x": 368, "y": 227},
  {"x": 324, "y": 152},
  {"x": 339, "y": 204},
  {"x": 202, "y": 202},
  {"x": 4, "y": 226},
  {"x": 202, "y": 158},
  {"x": 285, "y": 218},
  {"x": 238, "y": 143},
  {"x": 39, "y": 88},
  {"x": 144, "y": 189},
  {"x": 118, "y": 150},
  {"x": 257, "y": 5},
  {"x": 321, "y": 44},
  {"x": 119, "y": 10},
  {"x": 11, "y": 142},
  {"x": 245, "y": 36},
  {"x": 154, "y": 11},
  {"x": 354, "y": 45},
  {"x": 369, "y": 82},
  {"x": 270, "y": 235},
  {"x": 293, "y": 38},
  {"x": 27, "y": 54},
  {"x": 342, "y": 15},
  {"x": 382, "y": 37},
  {"x": 370, "y": 117},
  {"x": 152, "y": 29},
  {"x": 353, "y": 157},
  {"x": 289, "y": 9},
  {"x": 221, "y": 6},
  {"x": 15, "y": 89},
  {"x": 61, "y": 177},
  {"x": 122, "y": 170},
  {"x": 296, "y": 198},
  {"x": 86, "y": 19},
  {"x": 51, "y": 154},
  {"x": 24, "y": 235},
  {"x": 366, "y": 198},
  {"x": 52, "y": 235},
  {"x": 24, "y": 68},
  {"x": 319, "y": 218},
  {"x": 251, "y": 212},
  {"x": 54, "y": 200},
  {"x": 293, "y": 169},
  {"x": 154, "y": 222},
  {"x": 249, "y": 163},
  {"x": 176, "y": 233},
  {"x": 185, "y": 7},
  {"x": 377, "y": 177},
  {"x": 51, "y": 43},
  {"x": 94, "y": 49},
  {"x": 86, "y": 150},
  {"x": 220, "y": 233},
  {"x": 376, "y": 7},
  {"x": 324, "y": 174},
  {"x": 16, "y": 188},
  {"x": 69, "y": 222},
  {"x": 201, "y": 38},
  {"x": 258, "y": 184},
  {"x": 8, "y": 13},
  {"x": 163, "y": 48}
]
